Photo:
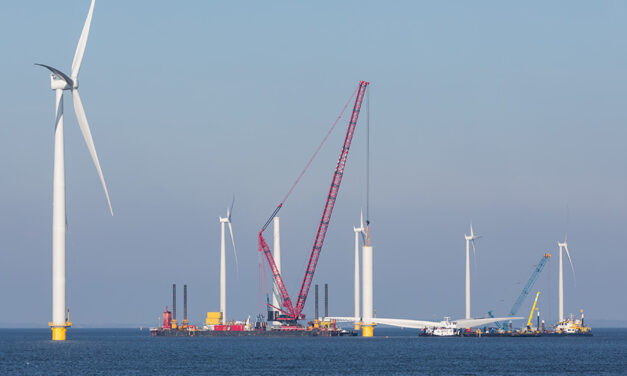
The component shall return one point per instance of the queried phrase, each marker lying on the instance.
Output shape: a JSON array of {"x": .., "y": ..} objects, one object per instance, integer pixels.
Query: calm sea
[{"x": 390, "y": 352}]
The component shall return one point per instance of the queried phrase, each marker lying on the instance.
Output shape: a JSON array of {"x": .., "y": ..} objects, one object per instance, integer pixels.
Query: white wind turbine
[
  {"x": 358, "y": 230},
  {"x": 60, "y": 82},
  {"x": 563, "y": 246},
  {"x": 470, "y": 239},
  {"x": 223, "y": 221}
]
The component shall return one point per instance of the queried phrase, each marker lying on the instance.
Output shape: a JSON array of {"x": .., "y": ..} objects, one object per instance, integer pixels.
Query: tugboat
[{"x": 572, "y": 326}]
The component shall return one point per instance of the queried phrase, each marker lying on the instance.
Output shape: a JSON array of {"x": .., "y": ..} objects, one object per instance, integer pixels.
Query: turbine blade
[
  {"x": 82, "y": 122},
  {"x": 474, "y": 251},
  {"x": 229, "y": 212},
  {"x": 234, "y": 250},
  {"x": 361, "y": 219},
  {"x": 571, "y": 263},
  {"x": 59, "y": 74},
  {"x": 82, "y": 42},
  {"x": 59, "y": 112}
]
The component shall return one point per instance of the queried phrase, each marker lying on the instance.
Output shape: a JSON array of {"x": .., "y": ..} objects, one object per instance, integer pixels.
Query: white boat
[
  {"x": 572, "y": 326},
  {"x": 445, "y": 329}
]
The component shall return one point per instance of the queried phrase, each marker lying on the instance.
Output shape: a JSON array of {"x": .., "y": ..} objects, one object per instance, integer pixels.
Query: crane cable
[
  {"x": 289, "y": 192},
  {"x": 367, "y": 167}
]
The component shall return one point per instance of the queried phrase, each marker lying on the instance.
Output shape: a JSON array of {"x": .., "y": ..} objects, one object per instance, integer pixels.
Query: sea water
[{"x": 390, "y": 352}]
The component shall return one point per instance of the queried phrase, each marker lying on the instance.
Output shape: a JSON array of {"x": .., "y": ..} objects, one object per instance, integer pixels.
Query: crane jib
[
  {"x": 328, "y": 209},
  {"x": 295, "y": 311}
]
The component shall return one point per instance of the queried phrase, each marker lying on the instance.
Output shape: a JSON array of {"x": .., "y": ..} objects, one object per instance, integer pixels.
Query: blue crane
[{"x": 526, "y": 289}]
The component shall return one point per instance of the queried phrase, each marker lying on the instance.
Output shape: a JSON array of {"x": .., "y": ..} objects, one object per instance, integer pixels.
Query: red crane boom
[{"x": 294, "y": 312}]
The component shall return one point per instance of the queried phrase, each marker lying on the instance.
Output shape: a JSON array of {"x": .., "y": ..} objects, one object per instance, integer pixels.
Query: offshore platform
[{"x": 215, "y": 325}]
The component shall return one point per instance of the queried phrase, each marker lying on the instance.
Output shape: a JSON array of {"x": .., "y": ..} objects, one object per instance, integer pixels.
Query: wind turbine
[
  {"x": 60, "y": 82},
  {"x": 223, "y": 221},
  {"x": 470, "y": 239},
  {"x": 358, "y": 230},
  {"x": 562, "y": 246}
]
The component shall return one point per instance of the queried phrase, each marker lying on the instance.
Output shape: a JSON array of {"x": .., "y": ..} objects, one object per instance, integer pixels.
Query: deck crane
[
  {"x": 525, "y": 291},
  {"x": 533, "y": 309},
  {"x": 292, "y": 313}
]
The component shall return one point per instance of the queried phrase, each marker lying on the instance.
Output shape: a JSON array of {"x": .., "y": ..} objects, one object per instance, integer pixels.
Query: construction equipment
[
  {"x": 533, "y": 308},
  {"x": 525, "y": 290},
  {"x": 292, "y": 313}
]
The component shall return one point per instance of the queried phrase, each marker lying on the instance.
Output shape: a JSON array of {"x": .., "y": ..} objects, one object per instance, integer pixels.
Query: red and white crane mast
[{"x": 294, "y": 312}]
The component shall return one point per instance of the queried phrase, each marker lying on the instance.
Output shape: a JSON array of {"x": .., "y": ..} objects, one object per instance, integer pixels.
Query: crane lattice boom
[
  {"x": 526, "y": 289},
  {"x": 294, "y": 312},
  {"x": 529, "y": 285}
]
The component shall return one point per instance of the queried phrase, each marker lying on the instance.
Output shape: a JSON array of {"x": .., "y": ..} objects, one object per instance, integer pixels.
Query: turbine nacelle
[
  {"x": 361, "y": 230},
  {"x": 58, "y": 84}
]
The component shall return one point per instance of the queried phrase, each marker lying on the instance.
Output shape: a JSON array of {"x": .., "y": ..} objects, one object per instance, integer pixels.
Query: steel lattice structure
[{"x": 291, "y": 311}]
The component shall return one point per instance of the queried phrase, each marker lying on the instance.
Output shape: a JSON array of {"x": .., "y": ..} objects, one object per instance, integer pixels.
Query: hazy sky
[{"x": 509, "y": 114}]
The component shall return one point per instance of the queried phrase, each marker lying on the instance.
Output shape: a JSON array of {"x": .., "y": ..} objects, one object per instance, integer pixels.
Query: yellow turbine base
[
  {"x": 58, "y": 333},
  {"x": 367, "y": 331},
  {"x": 357, "y": 326}
]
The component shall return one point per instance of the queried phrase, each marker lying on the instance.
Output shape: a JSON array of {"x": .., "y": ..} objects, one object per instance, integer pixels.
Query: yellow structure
[
  {"x": 367, "y": 330},
  {"x": 213, "y": 318},
  {"x": 174, "y": 326},
  {"x": 533, "y": 308},
  {"x": 59, "y": 332},
  {"x": 357, "y": 326}
]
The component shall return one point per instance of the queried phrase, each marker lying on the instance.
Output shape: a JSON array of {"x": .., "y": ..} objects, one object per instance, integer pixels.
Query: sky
[{"x": 509, "y": 115}]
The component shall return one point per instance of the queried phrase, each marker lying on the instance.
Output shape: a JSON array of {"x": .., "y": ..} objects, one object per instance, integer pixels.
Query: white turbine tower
[
  {"x": 223, "y": 221},
  {"x": 276, "y": 253},
  {"x": 563, "y": 246},
  {"x": 358, "y": 230},
  {"x": 470, "y": 239},
  {"x": 60, "y": 82}
]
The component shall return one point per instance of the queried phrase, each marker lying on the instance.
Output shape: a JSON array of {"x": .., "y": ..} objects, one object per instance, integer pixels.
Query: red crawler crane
[{"x": 293, "y": 313}]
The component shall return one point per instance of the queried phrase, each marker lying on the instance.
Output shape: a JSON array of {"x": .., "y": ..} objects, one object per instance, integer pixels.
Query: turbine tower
[
  {"x": 276, "y": 294},
  {"x": 368, "y": 323},
  {"x": 470, "y": 239},
  {"x": 223, "y": 221},
  {"x": 60, "y": 82},
  {"x": 358, "y": 230},
  {"x": 563, "y": 246}
]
